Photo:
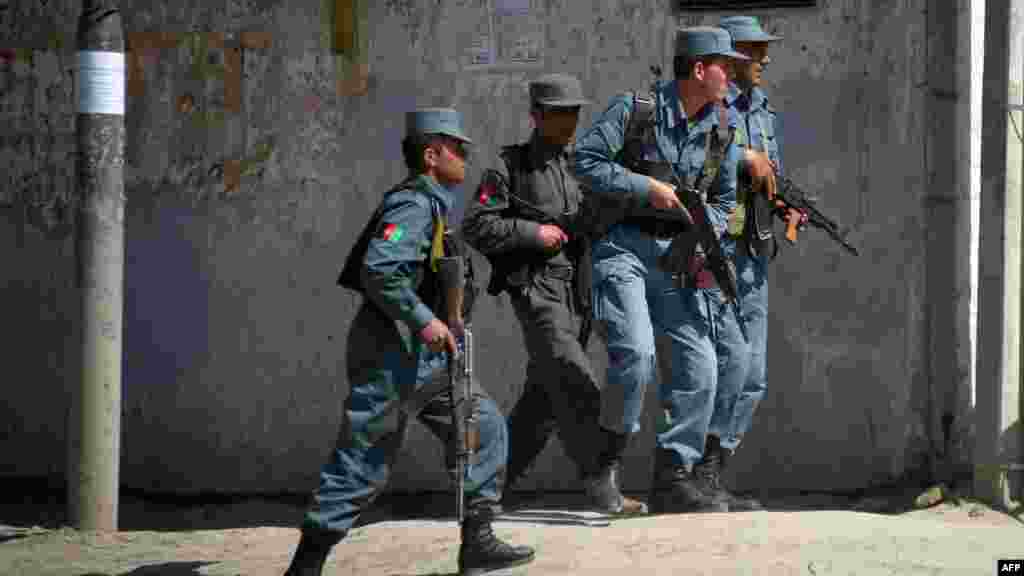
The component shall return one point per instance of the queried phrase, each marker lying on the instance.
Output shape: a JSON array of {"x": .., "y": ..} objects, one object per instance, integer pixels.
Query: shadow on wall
[{"x": 166, "y": 302}]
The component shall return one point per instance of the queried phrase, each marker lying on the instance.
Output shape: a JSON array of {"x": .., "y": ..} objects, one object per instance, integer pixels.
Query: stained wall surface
[{"x": 235, "y": 332}]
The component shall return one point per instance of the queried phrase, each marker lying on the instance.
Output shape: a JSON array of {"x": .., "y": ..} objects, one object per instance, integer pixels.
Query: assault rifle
[
  {"x": 677, "y": 259},
  {"x": 698, "y": 231},
  {"x": 460, "y": 375},
  {"x": 794, "y": 207}
]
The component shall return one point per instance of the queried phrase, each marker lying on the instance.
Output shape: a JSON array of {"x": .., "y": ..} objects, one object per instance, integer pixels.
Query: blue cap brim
[
  {"x": 758, "y": 38},
  {"x": 458, "y": 136},
  {"x": 735, "y": 55}
]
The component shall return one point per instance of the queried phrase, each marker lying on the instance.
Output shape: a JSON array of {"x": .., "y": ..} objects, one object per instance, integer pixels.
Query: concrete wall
[{"x": 234, "y": 330}]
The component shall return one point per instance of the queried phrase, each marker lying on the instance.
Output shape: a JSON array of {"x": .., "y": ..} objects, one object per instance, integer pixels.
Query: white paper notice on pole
[{"x": 100, "y": 82}]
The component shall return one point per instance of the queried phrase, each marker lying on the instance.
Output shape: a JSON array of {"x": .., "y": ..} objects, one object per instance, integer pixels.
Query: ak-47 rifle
[
  {"x": 677, "y": 259},
  {"x": 794, "y": 207},
  {"x": 460, "y": 374},
  {"x": 698, "y": 230}
]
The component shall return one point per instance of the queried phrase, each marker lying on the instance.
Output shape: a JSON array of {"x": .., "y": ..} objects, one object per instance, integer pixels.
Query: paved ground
[{"x": 812, "y": 535}]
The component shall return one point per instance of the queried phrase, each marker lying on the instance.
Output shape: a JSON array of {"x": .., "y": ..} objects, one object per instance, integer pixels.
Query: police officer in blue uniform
[
  {"x": 397, "y": 360},
  {"x": 525, "y": 221},
  {"x": 629, "y": 174},
  {"x": 757, "y": 132}
]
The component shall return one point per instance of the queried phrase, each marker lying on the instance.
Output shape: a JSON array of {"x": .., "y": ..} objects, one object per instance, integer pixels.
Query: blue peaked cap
[
  {"x": 705, "y": 41},
  {"x": 445, "y": 121},
  {"x": 746, "y": 29}
]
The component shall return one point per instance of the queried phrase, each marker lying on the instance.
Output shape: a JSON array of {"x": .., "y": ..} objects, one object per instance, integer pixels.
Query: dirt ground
[{"x": 411, "y": 536}]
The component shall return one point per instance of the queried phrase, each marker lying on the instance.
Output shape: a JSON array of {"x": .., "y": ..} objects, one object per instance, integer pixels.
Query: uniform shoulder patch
[
  {"x": 391, "y": 231},
  {"x": 491, "y": 191},
  {"x": 397, "y": 213}
]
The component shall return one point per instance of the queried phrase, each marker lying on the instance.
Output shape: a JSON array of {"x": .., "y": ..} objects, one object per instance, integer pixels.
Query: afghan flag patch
[
  {"x": 486, "y": 196},
  {"x": 392, "y": 232}
]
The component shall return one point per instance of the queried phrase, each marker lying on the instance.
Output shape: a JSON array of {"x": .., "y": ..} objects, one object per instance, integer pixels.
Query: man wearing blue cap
[
  {"x": 752, "y": 230},
  {"x": 524, "y": 222},
  {"x": 679, "y": 133},
  {"x": 397, "y": 359}
]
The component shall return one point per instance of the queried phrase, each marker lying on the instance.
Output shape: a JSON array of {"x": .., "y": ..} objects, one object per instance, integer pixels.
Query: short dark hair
[
  {"x": 681, "y": 65},
  {"x": 413, "y": 147}
]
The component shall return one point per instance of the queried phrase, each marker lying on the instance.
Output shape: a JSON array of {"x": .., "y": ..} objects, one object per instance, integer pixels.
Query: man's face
[
  {"x": 713, "y": 76},
  {"x": 748, "y": 72},
  {"x": 447, "y": 156},
  {"x": 557, "y": 125}
]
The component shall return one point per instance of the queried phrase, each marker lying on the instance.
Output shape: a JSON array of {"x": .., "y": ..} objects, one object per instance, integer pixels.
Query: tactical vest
[
  {"x": 515, "y": 269},
  {"x": 754, "y": 213},
  {"x": 604, "y": 212},
  {"x": 427, "y": 281}
]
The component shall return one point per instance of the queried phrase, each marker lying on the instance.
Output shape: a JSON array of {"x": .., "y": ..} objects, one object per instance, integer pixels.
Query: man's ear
[
  {"x": 430, "y": 157},
  {"x": 698, "y": 70},
  {"x": 536, "y": 115}
]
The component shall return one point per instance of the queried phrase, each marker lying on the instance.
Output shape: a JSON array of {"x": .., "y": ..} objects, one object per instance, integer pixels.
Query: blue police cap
[
  {"x": 705, "y": 41},
  {"x": 746, "y": 29},
  {"x": 445, "y": 121}
]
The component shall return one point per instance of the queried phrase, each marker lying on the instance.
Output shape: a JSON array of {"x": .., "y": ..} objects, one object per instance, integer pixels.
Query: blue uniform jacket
[
  {"x": 681, "y": 140},
  {"x": 393, "y": 267}
]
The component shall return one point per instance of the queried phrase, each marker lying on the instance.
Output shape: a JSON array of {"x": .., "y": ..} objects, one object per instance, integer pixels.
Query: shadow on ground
[
  {"x": 161, "y": 569},
  {"x": 30, "y": 504}
]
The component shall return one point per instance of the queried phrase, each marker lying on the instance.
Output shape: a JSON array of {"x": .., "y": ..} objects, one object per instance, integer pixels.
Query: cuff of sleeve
[
  {"x": 531, "y": 235},
  {"x": 639, "y": 185},
  {"x": 421, "y": 316}
]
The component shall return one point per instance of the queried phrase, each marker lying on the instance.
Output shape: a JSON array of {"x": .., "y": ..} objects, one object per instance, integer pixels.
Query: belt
[
  {"x": 557, "y": 271},
  {"x": 655, "y": 227},
  {"x": 700, "y": 276},
  {"x": 704, "y": 279}
]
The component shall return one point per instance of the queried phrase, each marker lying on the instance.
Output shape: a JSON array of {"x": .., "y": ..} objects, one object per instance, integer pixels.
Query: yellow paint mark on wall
[{"x": 345, "y": 32}]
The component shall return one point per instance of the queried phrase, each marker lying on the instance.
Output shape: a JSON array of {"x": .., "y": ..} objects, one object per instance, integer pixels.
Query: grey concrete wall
[{"x": 235, "y": 331}]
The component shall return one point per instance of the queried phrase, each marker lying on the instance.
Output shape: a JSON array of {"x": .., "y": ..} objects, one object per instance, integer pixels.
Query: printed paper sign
[{"x": 100, "y": 83}]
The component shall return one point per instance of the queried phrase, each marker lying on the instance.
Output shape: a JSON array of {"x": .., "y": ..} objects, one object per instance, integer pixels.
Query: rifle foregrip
[{"x": 451, "y": 270}]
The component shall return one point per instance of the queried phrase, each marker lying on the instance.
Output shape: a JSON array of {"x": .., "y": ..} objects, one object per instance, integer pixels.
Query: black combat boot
[
  {"x": 718, "y": 458},
  {"x": 602, "y": 485},
  {"x": 676, "y": 490},
  {"x": 482, "y": 552},
  {"x": 314, "y": 547}
]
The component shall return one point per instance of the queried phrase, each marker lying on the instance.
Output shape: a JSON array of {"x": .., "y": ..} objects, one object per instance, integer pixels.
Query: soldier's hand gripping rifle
[
  {"x": 794, "y": 207},
  {"x": 700, "y": 230},
  {"x": 460, "y": 375}
]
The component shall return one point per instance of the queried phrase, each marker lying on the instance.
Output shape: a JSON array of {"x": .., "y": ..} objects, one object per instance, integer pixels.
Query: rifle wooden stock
[{"x": 793, "y": 218}]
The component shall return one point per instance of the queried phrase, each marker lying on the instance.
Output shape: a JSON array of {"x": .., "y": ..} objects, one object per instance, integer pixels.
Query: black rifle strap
[{"x": 715, "y": 145}]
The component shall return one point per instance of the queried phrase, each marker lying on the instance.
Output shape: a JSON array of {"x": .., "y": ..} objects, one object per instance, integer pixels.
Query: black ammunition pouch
[{"x": 427, "y": 283}]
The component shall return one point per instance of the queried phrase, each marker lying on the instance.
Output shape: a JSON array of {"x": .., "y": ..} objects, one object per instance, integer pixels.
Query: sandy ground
[{"x": 806, "y": 535}]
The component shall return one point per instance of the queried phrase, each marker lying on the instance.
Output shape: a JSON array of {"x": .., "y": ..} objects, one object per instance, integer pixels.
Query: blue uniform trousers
[
  {"x": 385, "y": 367},
  {"x": 708, "y": 356},
  {"x": 752, "y": 278}
]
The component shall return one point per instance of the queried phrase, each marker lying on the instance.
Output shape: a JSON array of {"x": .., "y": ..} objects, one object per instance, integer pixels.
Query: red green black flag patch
[
  {"x": 392, "y": 232},
  {"x": 486, "y": 196}
]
